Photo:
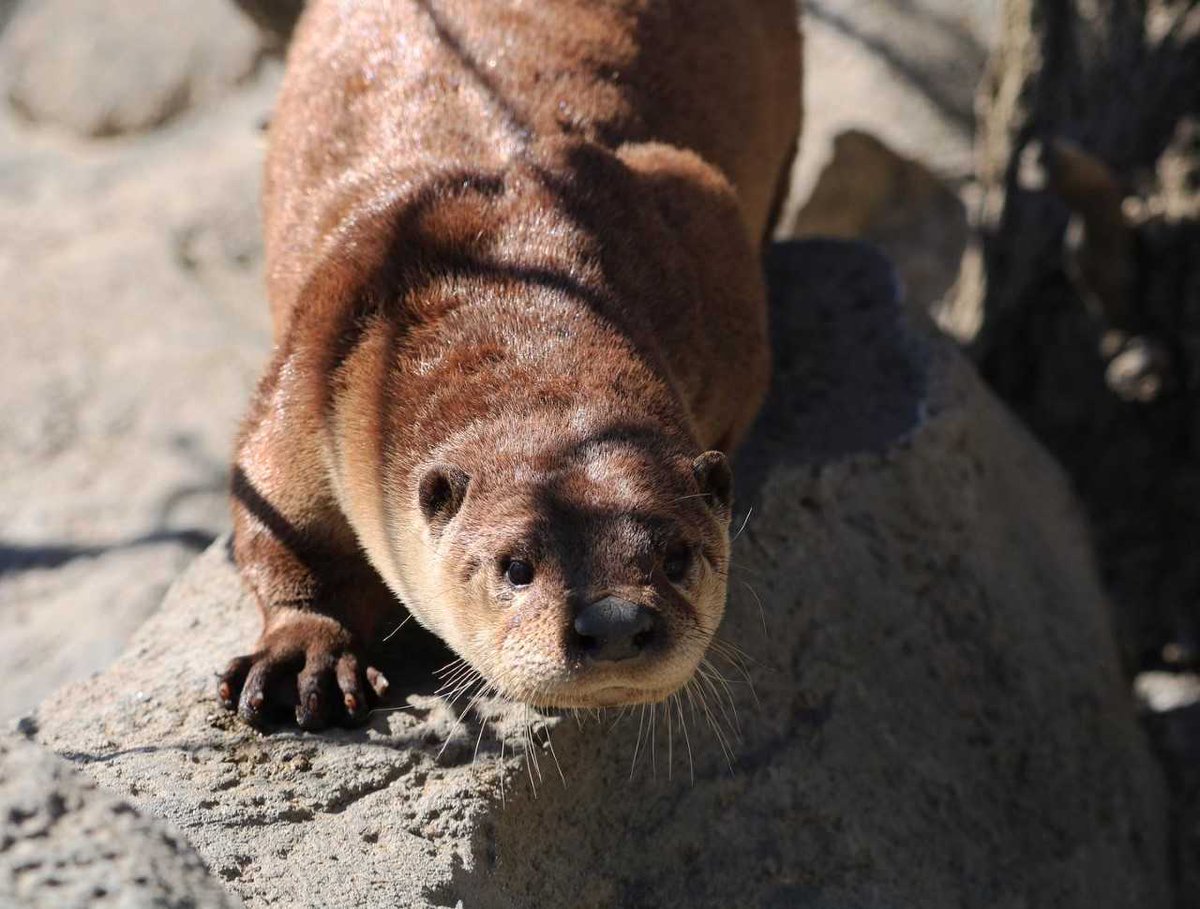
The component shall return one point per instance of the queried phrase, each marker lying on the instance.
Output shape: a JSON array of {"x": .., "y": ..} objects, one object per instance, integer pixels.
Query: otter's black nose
[{"x": 613, "y": 629}]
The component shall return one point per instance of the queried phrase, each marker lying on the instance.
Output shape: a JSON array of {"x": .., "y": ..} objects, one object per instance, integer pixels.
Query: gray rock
[
  {"x": 936, "y": 717},
  {"x": 7, "y": 8},
  {"x": 103, "y": 67},
  {"x": 65, "y": 844},
  {"x": 867, "y": 191},
  {"x": 905, "y": 71}
]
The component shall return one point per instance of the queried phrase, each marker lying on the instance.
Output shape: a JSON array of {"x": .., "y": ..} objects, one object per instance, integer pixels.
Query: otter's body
[{"x": 512, "y": 254}]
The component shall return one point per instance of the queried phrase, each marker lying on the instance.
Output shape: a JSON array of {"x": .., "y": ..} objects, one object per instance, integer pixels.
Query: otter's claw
[{"x": 305, "y": 668}]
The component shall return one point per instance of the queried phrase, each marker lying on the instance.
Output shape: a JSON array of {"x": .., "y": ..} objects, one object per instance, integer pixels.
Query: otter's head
[{"x": 595, "y": 581}]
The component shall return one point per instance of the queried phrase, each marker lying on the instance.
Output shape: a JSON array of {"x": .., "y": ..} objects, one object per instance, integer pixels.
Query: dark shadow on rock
[
  {"x": 16, "y": 557},
  {"x": 849, "y": 376},
  {"x": 276, "y": 19}
]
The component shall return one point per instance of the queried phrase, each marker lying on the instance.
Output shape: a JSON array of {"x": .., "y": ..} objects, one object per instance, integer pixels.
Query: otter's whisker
[
  {"x": 738, "y": 566},
  {"x": 392, "y": 633},
  {"x": 733, "y": 653},
  {"x": 459, "y": 718},
  {"x": 390, "y": 709},
  {"x": 670, "y": 733},
  {"x": 730, "y": 729},
  {"x": 450, "y": 692},
  {"x": 733, "y": 539},
  {"x": 478, "y": 740},
  {"x": 531, "y": 759},
  {"x": 468, "y": 679},
  {"x": 637, "y": 744},
  {"x": 462, "y": 689},
  {"x": 534, "y": 719},
  {"x": 653, "y": 746},
  {"x": 762, "y": 613},
  {"x": 452, "y": 681},
  {"x": 550, "y": 745},
  {"x": 738, "y": 665},
  {"x": 465, "y": 690},
  {"x": 686, "y": 738},
  {"x": 453, "y": 663},
  {"x": 723, "y": 696},
  {"x": 620, "y": 716},
  {"x": 500, "y": 768},
  {"x": 528, "y": 760},
  {"x": 700, "y": 697}
]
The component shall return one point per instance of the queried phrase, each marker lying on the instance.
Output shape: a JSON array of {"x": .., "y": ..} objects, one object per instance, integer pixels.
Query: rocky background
[{"x": 1030, "y": 167}]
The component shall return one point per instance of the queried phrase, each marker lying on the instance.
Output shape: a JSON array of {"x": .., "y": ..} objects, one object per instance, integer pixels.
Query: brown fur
[{"x": 512, "y": 249}]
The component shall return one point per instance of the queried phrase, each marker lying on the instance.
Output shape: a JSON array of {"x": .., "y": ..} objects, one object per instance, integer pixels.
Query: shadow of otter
[{"x": 849, "y": 377}]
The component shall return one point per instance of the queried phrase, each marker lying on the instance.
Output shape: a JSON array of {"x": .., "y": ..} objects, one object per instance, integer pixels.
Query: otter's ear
[
  {"x": 441, "y": 493},
  {"x": 715, "y": 479}
]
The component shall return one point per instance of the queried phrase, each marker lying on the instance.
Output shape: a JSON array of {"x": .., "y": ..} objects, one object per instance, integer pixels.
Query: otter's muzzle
[{"x": 613, "y": 629}]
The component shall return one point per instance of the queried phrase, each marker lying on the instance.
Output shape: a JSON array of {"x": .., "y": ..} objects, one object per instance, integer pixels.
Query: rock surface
[
  {"x": 867, "y": 191},
  {"x": 105, "y": 67},
  {"x": 64, "y": 844},
  {"x": 905, "y": 71},
  {"x": 936, "y": 717},
  {"x": 134, "y": 332}
]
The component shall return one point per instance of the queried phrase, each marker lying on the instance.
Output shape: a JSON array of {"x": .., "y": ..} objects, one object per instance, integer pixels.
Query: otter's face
[{"x": 591, "y": 585}]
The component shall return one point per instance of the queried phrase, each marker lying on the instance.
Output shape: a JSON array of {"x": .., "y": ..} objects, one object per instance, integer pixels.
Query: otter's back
[{"x": 383, "y": 95}]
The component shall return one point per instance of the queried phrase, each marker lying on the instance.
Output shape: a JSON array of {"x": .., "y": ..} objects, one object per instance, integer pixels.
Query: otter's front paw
[{"x": 309, "y": 663}]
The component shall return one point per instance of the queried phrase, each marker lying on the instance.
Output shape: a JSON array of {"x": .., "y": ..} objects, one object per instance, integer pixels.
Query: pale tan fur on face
[{"x": 580, "y": 527}]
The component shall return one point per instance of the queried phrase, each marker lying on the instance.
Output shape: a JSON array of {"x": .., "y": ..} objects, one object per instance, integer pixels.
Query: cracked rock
[{"x": 65, "y": 844}]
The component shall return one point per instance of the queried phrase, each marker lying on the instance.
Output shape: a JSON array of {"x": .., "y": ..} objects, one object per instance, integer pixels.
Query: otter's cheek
[
  {"x": 526, "y": 666},
  {"x": 710, "y": 602}
]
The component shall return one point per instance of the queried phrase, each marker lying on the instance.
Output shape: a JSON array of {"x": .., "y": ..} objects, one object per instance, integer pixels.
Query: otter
[{"x": 513, "y": 264}]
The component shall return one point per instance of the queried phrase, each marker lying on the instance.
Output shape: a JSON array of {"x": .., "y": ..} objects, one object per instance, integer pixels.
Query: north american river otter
[{"x": 513, "y": 264}]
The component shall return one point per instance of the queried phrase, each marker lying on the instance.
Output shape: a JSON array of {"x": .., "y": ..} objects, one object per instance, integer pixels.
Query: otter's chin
[
  {"x": 623, "y": 696},
  {"x": 590, "y": 697}
]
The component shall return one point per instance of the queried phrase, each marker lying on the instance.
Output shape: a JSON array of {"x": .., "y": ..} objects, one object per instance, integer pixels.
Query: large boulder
[
  {"x": 936, "y": 717},
  {"x": 65, "y": 844},
  {"x": 104, "y": 67}
]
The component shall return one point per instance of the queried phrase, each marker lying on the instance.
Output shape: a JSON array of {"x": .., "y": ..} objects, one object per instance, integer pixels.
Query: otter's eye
[
  {"x": 676, "y": 563},
  {"x": 519, "y": 573}
]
